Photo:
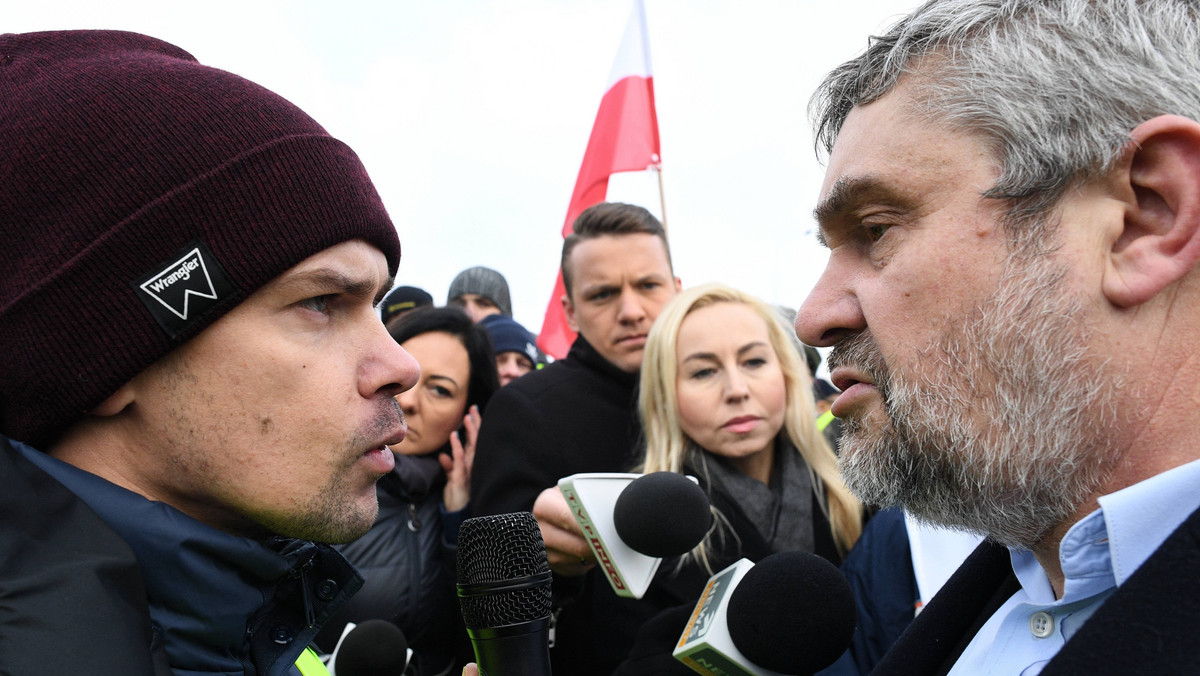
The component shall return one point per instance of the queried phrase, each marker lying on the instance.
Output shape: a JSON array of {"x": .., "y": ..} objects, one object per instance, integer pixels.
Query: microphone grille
[
  {"x": 662, "y": 514},
  {"x": 499, "y": 555},
  {"x": 371, "y": 648},
  {"x": 792, "y": 613}
]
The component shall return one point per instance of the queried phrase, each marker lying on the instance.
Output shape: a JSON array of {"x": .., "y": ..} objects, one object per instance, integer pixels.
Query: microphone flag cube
[
  {"x": 705, "y": 645},
  {"x": 592, "y": 498}
]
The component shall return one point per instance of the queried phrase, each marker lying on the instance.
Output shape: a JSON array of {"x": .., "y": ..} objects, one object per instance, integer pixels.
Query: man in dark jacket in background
[
  {"x": 578, "y": 415},
  {"x": 196, "y": 388}
]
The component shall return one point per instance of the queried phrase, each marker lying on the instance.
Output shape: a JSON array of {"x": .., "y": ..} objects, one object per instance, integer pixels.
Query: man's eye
[
  {"x": 317, "y": 303},
  {"x": 875, "y": 231}
]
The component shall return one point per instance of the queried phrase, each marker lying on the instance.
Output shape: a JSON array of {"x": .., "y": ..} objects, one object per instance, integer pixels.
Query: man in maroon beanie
[{"x": 195, "y": 388}]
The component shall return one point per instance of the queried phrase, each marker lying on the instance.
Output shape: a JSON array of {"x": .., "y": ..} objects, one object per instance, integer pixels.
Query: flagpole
[{"x": 662, "y": 198}]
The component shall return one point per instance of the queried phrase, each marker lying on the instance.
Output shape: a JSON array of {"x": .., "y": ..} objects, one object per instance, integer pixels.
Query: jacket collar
[
  {"x": 219, "y": 601},
  {"x": 583, "y": 352}
]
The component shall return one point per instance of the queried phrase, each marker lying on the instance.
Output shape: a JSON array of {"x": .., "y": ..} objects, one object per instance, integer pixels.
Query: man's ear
[
  {"x": 678, "y": 285},
  {"x": 569, "y": 311},
  {"x": 1160, "y": 240},
  {"x": 118, "y": 401}
]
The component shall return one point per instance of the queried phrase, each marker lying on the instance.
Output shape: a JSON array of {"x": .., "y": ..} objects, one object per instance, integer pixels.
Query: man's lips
[
  {"x": 400, "y": 435},
  {"x": 855, "y": 386},
  {"x": 634, "y": 340},
  {"x": 380, "y": 460},
  {"x": 850, "y": 399}
]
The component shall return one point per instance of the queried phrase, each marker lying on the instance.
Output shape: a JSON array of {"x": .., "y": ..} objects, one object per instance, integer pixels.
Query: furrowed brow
[
  {"x": 845, "y": 192},
  {"x": 329, "y": 281},
  {"x": 845, "y": 196},
  {"x": 592, "y": 289},
  {"x": 382, "y": 292}
]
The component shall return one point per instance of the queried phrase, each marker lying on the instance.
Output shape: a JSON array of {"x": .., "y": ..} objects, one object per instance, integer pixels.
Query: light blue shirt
[{"x": 1098, "y": 554}]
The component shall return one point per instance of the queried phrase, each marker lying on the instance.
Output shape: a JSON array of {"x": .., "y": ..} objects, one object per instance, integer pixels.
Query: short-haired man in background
[
  {"x": 578, "y": 415},
  {"x": 1012, "y": 208},
  {"x": 196, "y": 388}
]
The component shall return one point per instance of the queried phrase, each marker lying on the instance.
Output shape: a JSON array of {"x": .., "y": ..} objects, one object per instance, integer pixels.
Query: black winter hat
[{"x": 402, "y": 299}]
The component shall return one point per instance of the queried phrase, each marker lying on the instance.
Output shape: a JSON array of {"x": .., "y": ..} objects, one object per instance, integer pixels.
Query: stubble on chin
[
  {"x": 1000, "y": 427},
  {"x": 345, "y": 507}
]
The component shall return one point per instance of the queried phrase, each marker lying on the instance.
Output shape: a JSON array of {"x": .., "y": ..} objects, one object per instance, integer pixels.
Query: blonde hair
[{"x": 667, "y": 446}]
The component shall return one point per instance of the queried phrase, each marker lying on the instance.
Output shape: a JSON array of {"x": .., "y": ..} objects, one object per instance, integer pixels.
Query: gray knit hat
[{"x": 484, "y": 282}]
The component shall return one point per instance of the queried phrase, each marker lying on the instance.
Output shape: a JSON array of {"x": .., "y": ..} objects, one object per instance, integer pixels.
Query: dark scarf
[{"x": 782, "y": 510}]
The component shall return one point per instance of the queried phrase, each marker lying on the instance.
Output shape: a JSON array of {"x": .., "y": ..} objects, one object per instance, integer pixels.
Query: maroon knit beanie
[{"x": 143, "y": 196}]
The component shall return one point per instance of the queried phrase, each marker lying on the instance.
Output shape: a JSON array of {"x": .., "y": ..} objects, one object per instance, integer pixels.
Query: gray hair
[{"x": 1053, "y": 86}]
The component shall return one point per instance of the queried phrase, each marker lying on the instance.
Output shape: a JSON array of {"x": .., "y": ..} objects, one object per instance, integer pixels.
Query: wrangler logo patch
[{"x": 184, "y": 288}]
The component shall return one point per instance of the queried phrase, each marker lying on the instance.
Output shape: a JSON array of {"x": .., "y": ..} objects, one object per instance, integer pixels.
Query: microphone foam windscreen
[
  {"x": 662, "y": 514},
  {"x": 500, "y": 555},
  {"x": 372, "y": 648},
  {"x": 793, "y": 613}
]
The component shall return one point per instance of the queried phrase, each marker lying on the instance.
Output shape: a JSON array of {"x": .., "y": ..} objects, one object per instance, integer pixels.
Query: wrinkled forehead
[{"x": 890, "y": 151}]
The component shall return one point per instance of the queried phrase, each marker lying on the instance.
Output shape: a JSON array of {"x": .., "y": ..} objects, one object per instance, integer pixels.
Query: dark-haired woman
[{"x": 407, "y": 557}]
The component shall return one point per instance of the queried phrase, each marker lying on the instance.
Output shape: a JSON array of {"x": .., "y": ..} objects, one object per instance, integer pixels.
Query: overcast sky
[{"x": 472, "y": 117}]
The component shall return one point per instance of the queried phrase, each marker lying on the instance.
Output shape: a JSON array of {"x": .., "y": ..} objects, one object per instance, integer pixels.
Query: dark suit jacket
[{"x": 1150, "y": 625}]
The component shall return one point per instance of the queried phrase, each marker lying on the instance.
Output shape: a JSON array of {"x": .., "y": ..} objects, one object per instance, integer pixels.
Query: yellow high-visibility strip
[
  {"x": 310, "y": 665},
  {"x": 823, "y": 420}
]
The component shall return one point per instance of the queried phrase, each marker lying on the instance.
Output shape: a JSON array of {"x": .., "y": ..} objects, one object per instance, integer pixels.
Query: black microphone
[
  {"x": 662, "y": 514},
  {"x": 504, "y": 593},
  {"x": 632, "y": 521},
  {"x": 371, "y": 648},
  {"x": 792, "y": 613}
]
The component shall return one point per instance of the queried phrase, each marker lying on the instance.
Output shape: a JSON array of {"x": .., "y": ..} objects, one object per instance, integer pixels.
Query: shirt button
[{"x": 1041, "y": 624}]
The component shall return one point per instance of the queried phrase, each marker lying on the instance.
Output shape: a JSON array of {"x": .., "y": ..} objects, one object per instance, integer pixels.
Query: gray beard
[{"x": 1004, "y": 428}]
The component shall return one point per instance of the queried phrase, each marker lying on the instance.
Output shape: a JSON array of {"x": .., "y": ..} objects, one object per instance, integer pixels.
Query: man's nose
[
  {"x": 832, "y": 309},
  {"x": 631, "y": 308},
  {"x": 390, "y": 368}
]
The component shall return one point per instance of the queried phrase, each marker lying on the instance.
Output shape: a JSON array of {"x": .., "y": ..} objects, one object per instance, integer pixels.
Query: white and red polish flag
[{"x": 624, "y": 138}]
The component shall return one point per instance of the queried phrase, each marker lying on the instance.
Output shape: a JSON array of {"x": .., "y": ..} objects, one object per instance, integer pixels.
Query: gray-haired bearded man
[{"x": 1012, "y": 208}]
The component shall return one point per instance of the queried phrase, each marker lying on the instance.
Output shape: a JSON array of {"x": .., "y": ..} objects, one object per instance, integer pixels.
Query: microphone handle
[{"x": 514, "y": 650}]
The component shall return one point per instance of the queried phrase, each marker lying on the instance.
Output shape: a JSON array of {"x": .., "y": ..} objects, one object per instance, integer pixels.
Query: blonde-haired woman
[{"x": 725, "y": 397}]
